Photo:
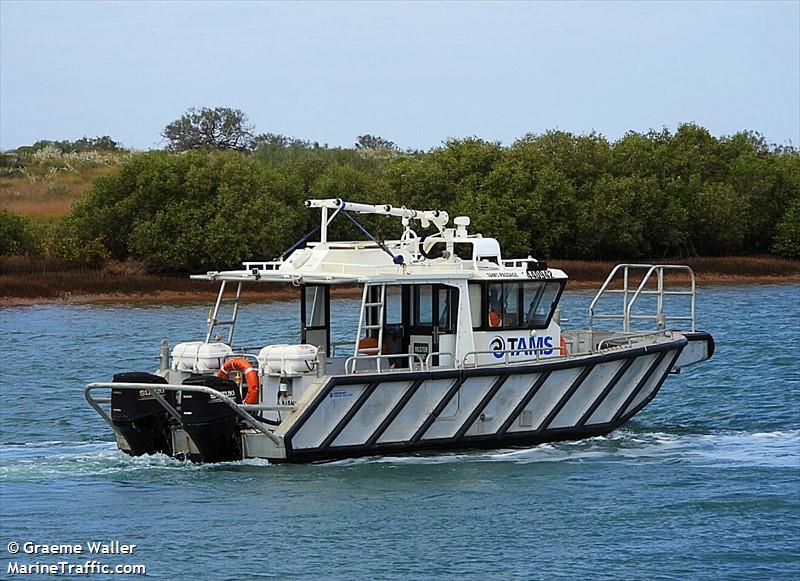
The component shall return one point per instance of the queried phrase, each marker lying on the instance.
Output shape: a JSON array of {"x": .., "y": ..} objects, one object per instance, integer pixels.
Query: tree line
[{"x": 660, "y": 194}]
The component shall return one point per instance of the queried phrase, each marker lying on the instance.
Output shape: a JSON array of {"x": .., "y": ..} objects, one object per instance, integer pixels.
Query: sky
[{"x": 415, "y": 73}]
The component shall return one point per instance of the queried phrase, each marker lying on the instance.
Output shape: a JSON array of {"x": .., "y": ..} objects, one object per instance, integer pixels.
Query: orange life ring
[
  {"x": 563, "y": 347},
  {"x": 250, "y": 374}
]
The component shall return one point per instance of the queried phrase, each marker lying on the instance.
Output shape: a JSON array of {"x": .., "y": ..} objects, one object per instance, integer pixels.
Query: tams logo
[
  {"x": 517, "y": 346},
  {"x": 498, "y": 345}
]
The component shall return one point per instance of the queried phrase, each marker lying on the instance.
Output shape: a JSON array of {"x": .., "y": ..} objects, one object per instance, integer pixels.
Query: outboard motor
[
  {"x": 139, "y": 417},
  {"x": 211, "y": 424}
]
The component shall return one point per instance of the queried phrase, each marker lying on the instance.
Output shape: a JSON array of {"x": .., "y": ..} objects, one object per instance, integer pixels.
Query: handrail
[
  {"x": 353, "y": 359},
  {"x": 430, "y": 357},
  {"x": 604, "y": 289},
  {"x": 630, "y": 296},
  {"x": 262, "y": 264},
  {"x": 252, "y": 357},
  {"x": 660, "y": 317},
  {"x": 507, "y": 352},
  {"x": 153, "y": 389},
  {"x": 628, "y": 337}
]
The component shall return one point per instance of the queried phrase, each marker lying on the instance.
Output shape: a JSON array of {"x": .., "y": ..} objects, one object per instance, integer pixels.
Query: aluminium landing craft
[{"x": 455, "y": 347}]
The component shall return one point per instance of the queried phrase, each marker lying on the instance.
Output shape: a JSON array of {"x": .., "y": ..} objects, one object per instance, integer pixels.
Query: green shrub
[
  {"x": 18, "y": 235},
  {"x": 66, "y": 242},
  {"x": 787, "y": 233},
  {"x": 556, "y": 194}
]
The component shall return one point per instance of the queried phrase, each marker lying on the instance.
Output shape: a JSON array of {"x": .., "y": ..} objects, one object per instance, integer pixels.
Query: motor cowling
[
  {"x": 138, "y": 416},
  {"x": 212, "y": 424}
]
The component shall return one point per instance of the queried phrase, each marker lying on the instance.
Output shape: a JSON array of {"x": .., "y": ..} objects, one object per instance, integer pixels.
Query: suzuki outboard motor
[
  {"x": 139, "y": 418},
  {"x": 211, "y": 424}
]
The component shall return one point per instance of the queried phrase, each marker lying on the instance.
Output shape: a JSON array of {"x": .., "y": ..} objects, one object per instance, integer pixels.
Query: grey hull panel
[{"x": 480, "y": 408}]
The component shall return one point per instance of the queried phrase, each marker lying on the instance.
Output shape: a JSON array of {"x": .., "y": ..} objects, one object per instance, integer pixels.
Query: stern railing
[{"x": 153, "y": 389}]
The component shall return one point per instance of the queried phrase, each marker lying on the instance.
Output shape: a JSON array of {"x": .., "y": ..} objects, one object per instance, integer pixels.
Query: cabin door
[
  {"x": 431, "y": 312},
  {"x": 315, "y": 316}
]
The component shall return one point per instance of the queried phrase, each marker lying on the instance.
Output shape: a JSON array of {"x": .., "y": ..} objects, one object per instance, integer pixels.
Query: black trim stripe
[
  {"x": 438, "y": 409},
  {"x": 523, "y": 402},
  {"x": 481, "y": 406},
  {"x": 650, "y": 397},
  {"x": 392, "y": 416},
  {"x": 606, "y": 390},
  {"x": 639, "y": 386},
  {"x": 489, "y": 442},
  {"x": 351, "y": 412},
  {"x": 565, "y": 398}
]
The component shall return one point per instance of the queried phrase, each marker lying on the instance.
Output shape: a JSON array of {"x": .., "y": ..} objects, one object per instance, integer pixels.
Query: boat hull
[
  {"x": 390, "y": 413},
  {"x": 485, "y": 407}
]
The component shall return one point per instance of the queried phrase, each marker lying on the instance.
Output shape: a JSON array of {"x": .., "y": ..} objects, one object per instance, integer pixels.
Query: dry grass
[{"x": 46, "y": 199}]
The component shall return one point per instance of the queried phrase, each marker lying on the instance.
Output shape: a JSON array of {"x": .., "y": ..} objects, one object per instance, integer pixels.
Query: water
[{"x": 704, "y": 483}]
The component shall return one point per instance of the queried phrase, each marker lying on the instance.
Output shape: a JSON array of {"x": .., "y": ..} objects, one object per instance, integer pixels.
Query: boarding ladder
[
  {"x": 216, "y": 320},
  {"x": 373, "y": 305},
  {"x": 631, "y": 293}
]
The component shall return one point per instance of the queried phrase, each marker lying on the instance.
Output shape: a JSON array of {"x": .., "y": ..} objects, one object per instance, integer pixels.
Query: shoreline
[
  {"x": 288, "y": 293},
  {"x": 27, "y": 281}
]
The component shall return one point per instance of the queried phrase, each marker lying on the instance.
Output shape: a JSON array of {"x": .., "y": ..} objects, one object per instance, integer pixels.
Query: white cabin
[{"x": 455, "y": 300}]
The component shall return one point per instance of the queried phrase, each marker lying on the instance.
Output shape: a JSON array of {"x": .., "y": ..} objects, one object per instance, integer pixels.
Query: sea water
[{"x": 703, "y": 484}]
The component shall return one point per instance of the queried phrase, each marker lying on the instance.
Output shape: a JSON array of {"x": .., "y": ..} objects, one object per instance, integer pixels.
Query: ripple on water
[
  {"x": 45, "y": 460},
  {"x": 703, "y": 484},
  {"x": 770, "y": 449},
  {"x": 42, "y": 460}
]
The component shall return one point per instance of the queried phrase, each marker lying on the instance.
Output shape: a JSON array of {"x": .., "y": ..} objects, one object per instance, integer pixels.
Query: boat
[{"x": 456, "y": 347}]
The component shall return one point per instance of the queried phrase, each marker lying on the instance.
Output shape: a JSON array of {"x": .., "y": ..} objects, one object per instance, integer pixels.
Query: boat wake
[
  {"x": 57, "y": 459},
  {"x": 777, "y": 449}
]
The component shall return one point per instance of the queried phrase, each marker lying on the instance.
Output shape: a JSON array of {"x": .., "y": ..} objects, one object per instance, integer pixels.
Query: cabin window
[
  {"x": 433, "y": 306},
  {"x": 514, "y": 305},
  {"x": 394, "y": 306},
  {"x": 541, "y": 299},
  {"x": 423, "y": 305},
  {"x": 476, "y": 304},
  {"x": 511, "y": 308},
  {"x": 315, "y": 319},
  {"x": 495, "y": 306},
  {"x": 448, "y": 309},
  {"x": 315, "y": 309}
]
